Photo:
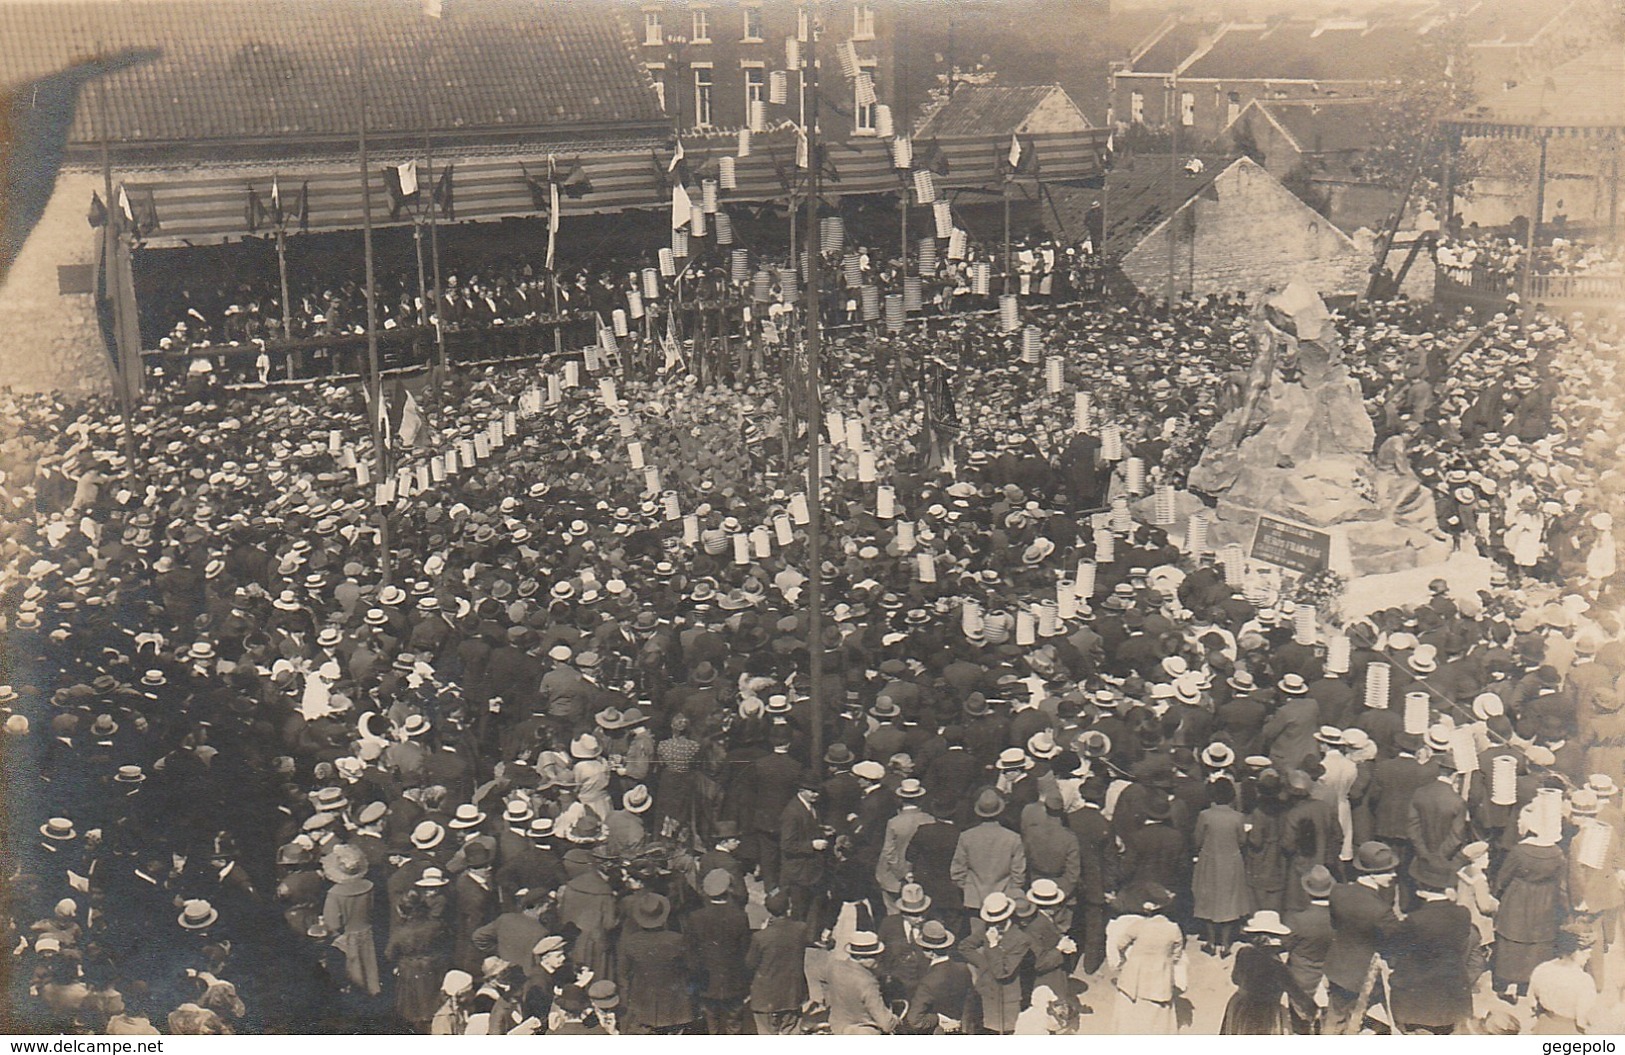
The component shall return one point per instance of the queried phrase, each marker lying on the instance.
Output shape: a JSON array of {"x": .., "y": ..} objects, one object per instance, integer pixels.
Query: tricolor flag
[
  {"x": 552, "y": 209},
  {"x": 402, "y": 181},
  {"x": 682, "y": 206},
  {"x": 411, "y": 421}
]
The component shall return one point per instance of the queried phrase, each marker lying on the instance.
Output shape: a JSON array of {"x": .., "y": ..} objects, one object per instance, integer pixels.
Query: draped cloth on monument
[{"x": 1299, "y": 447}]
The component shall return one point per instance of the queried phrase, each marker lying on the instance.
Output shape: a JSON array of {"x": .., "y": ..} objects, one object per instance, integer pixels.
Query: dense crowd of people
[
  {"x": 1502, "y": 255},
  {"x": 560, "y": 768}
]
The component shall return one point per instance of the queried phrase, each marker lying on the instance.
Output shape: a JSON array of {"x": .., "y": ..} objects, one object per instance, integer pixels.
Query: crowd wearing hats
[{"x": 561, "y": 770}]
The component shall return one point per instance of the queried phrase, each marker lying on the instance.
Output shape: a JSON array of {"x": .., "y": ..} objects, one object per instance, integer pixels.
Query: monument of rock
[{"x": 1297, "y": 445}]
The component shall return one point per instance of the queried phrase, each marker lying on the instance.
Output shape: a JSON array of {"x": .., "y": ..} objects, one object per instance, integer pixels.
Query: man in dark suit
[
  {"x": 1437, "y": 826},
  {"x": 776, "y": 960},
  {"x": 719, "y": 940},
  {"x": 939, "y": 1000},
  {"x": 1363, "y": 923},
  {"x": 801, "y": 853},
  {"x": 1311, "y": 937},
  {"x": 1156, "y": 853},
  {"x": 931, "y": 855},
  {"x": 1393, "y": 782},
  {"x": 769, "y": 785},
  {"x": 1096, "y": 854},
  {"x": 1432, "y": 990}
]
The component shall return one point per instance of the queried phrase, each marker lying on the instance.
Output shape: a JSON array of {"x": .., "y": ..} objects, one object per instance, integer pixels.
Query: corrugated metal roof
[
  {"x": 287, "y": 69},
  {"x": 1143, "y": 192},
  {"x": 977, "y": 109}
]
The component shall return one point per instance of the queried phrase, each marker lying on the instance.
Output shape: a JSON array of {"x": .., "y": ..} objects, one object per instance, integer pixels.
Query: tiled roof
[
  {"x": 1586, "y": 92},
  {"x": 236, "y": 70},
  {"x": 1294, "y": 50},
  {"x": 1173, "y": 47},
  {"x": 1332, "y": 126},
  {"x": 977, "y": 109},
  {"x": 1142, "y": 192}
]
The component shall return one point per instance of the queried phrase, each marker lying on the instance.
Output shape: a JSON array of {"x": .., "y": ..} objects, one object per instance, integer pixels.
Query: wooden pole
[
  {"x": 375, "y": 380},
  {"x": 1175, "y": 116},
  {"x": 126, "y": 367},
  {"x": 815, "y": 411},
  {"x": 1533, "y": 234}
]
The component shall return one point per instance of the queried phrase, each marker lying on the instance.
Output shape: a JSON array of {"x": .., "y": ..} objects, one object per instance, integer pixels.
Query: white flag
[
  {"x": 408, "y": 172},
  {"x": 676, "y": 158},
  {"x": 552, "y": 210},
  {"x": 1015, "y": 150},
  {"x": 411, "y": 421},
  {"x": 682, "y": 206},
  {"x": 803, "y": 152},
  {"x": 276, "y": 195},
  {"x": 124, "y": 204}
]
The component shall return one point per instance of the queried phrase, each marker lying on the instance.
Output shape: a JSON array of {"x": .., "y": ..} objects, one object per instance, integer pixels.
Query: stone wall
[
  {"x": 1248, "y": 233},
  {"x": 50, "y": 341}
]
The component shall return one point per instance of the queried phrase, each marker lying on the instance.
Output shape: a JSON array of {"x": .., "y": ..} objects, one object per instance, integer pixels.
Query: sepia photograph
[{"x": 804, "y": 517}]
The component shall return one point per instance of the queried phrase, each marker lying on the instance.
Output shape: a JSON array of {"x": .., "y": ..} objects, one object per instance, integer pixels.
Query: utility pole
[
  {"x": 127, "y": 365},
  {"x": 1176, "y": 114},
  {"x": 815, "y": 411},
  {"x": 375, "y": 380}
]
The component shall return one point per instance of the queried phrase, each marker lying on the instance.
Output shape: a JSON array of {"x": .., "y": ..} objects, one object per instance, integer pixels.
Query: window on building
[
  {"x": 863, "y": 111},
  {"x": 1187, "y": 108},
  {"x": 653, "y": 31},
  {"x": 863, "y": 21},
  {"x": 702, "y": 27},
  {"x": 803, "y": 25},
  {"x": 753, "y": 23},
  {"x": 1136, "y": 107},
  {"x": 755, "y": 87},
  {"x": 702, "y": 96},
  {"x": 1232, "y": 108}
]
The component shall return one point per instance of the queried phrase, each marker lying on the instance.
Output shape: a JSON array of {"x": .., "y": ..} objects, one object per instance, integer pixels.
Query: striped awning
[{"x": 208, "y": 208}]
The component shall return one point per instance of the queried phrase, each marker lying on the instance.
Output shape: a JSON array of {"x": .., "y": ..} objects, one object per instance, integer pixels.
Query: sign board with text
[{"x": 1291, "y": 546}]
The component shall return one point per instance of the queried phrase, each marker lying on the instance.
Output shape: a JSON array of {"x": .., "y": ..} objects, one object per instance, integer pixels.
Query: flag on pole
[
  {"x": 98, "y": 211},
  {"x": 276, "y": 199},
  {"x": 124, "y": 206},
  {"x": 411, "y": 421},
  {"x": 676, "y": 157},
  {"x": 253, "y": 211},
  {"x": 1015, "y": 151},
  {"x": 682, "y": 206},
  {"x": 803, "y": 150},
  {"x": 381, "y": 412},
  {"x": 443, "y": 195},
  {"x": 402, "y": 182},
  {"x": 668, "y": 343},
  {"x": 552, "y": 209},
  {"x": 304, "y": 206}
]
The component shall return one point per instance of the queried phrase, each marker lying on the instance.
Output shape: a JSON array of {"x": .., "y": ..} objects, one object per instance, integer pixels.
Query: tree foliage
[{"x": 1426, "y": 86}]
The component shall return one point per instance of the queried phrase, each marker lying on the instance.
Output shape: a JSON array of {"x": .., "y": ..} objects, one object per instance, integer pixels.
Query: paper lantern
[
  {"x": 1464, "y": 750},
  {"x": 739, "y": 264},
  {"x": 1083, "y": 584},
  {"x": 854, "y": 433},
  {"x": 789, "y": 285},
  {"x": 696, "y": 221},
  {"x": 925, "y": 192},
  {"x": 778, "y": 87},
  {"x": 758, "y": 115},
  {"x": 1009, "y": 310},
  {"x": 902, "y": 153},
  {"x": 1066, "y": 599},
  {"x": 826, "y": 459},
  {"x": 671, "y": 505},
  {"x": 785, "y": 531},
  {"x": 1504, "y": 780},
  {"x": 895, "y": 313},
  {"x": 634, "y": 304},
  {"x": 867, "y": 470},
  {"x": 792, "y": 53},
  {"x": 651, "y": 277},
  {"x": 606, "y": 341},
  {"x": 798, "y": 508},
  {"x": 1417, "y": 718},
  {"x": 691, "y": 530},
  {"x": 1080, "y": 412},
  {"x": 437, "y": 470},
  {"x": 1162, "y": 505},
  {"x": 885, "y": 502},
  {"x": 869, "y": 301},
  {"x": 905, "y": 536},
  {"x": 1105, "y": 546},
  {"x": 555, "y": 390},
  {"x": 927, "y": 566},
  {"x": 1026, "y": 627},
  {"x": 1305, "y": 624},
  {"x": 761, "y": 285},
  {"x": 981, "y": 280},
  {"x": 958, "y": 244},
  {"x": 835, "y": 423},
  {"x": 741, "y": 544},
  {"x": 847, "y": 54},
  {"x": 651, "y": 480},
  {"x": 572, "y": 373},
  {"x": 852, "y": 270},
  {"x": 589, "y": 354},
  {"x": 928, "y": 256},
  {"x": 1234, "y": 560},
  {"x": 1196, "y": 528},
  {"x": 334, "y": 441},
  {"x": 679, "y": 246},
  {"x": 1377, "y": 677},
  {"x": 634, "y": 453},
  {"x": 913, "y": 294},
  {"x": 1053, "y": 374},
  {"x": 743, "y": 148},
  {"x": 1049, "y": 618},
  {"x": 831, "y": 234},
  {"x": 883, "y": 121},
  {"x": 727, "y": 173},
  {"x": 1591, "y": 846},
  {"x": 970, "y": 616},
  {"x": 1134, "y": 475},
  {"x": 618, "y": 322},
  {"x": 1120, "y": 520},
  {"x": 1032, "y": 343},
  {"x": 1338, "y": 652},
  {"x": 942, "y": 213},
  {"x": 1547, "y": 814},
  {"x": 708, "y": 196},
  {"x": 996, "y": 627},
  {"x": 723, "y": 226},
  {"x": 864, "y": 90},
  {"x": 761, "y": 542},
  {"x": 627, "y": 426},
  {"x": 1111, "y": 442}
]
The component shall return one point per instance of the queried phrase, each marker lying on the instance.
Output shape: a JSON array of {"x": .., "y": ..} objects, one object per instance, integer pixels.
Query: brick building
[
  {"x": 709, "y": 59},
  {"x": 1315, "y": 147},
  {"x": 1232, "y": 227}
]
